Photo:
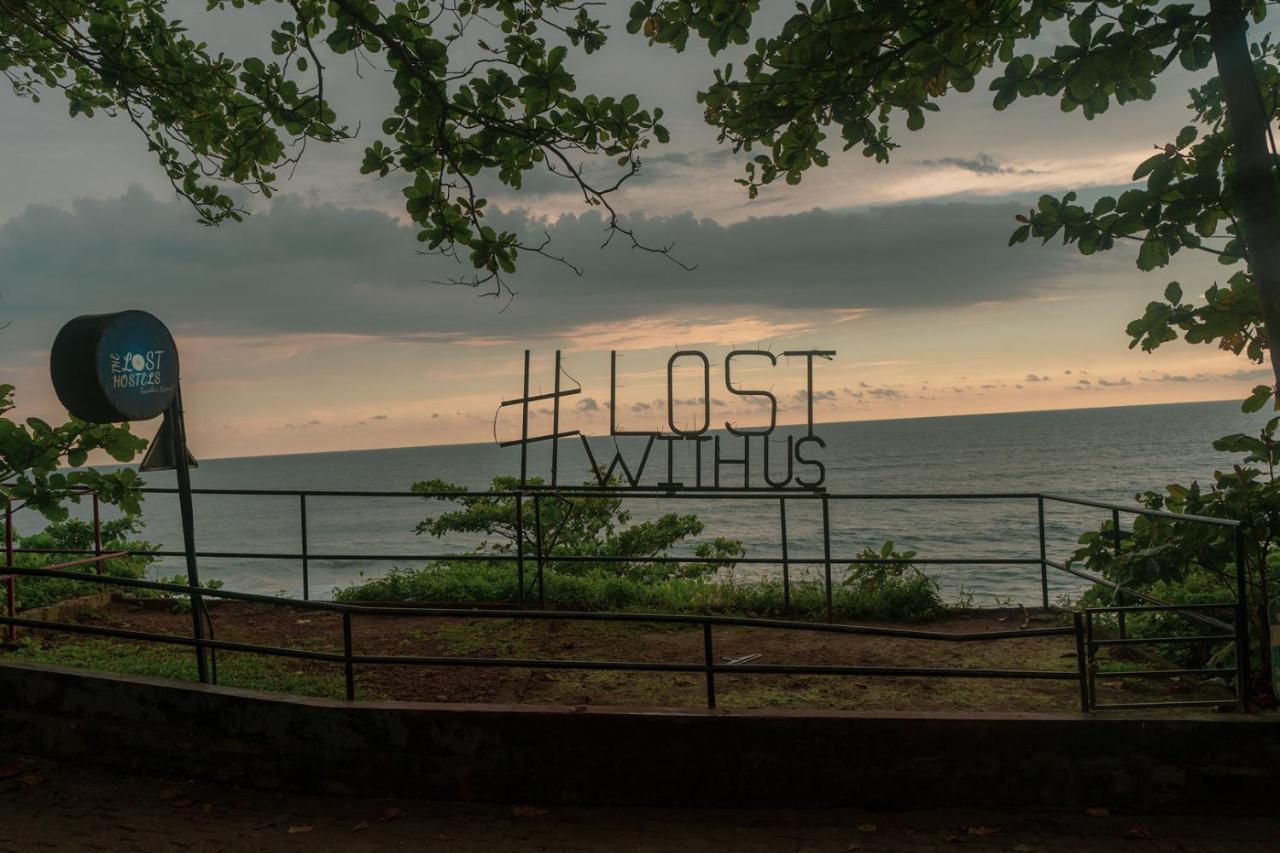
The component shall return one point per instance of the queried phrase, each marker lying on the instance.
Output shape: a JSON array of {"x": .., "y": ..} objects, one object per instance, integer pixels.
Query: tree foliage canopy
[
  {"x": 483, "y": 93},
  {"x": 866, "y": 68}
]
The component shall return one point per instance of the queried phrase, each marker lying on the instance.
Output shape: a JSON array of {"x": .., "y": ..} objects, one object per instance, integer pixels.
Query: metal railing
[{"x": 1086, "y": 673}]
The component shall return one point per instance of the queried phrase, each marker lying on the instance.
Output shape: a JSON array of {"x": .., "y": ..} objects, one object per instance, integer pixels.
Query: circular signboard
[{"x": 115, "y": 367}]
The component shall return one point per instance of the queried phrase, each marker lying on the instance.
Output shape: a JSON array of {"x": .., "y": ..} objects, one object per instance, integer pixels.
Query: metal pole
[
  {"x": 306, "y": 575},
  {"x": 1090, "y": 652},
  {"x": 1115, "y": 543},
  {"x": 708, "y": 656},
  {"x": 786, "y": 564},
  {"x": 346, "y": 653},
  {"x": 524, "y": 428},
  {"x": 555, "y": 435},
  {"x": 537, "y": 525},
  {"x": 1082, "y": 664},
  {"x": 1242, "y": 625},
  {"x": 10, "y": 581},
  {"x": 826, "y": 552},
  {"x": 1044, "y": 564},
  {"x": 520, "y": 546},
  {"x": 97, "y": 533},
  {"x": 178, "y": 433}
]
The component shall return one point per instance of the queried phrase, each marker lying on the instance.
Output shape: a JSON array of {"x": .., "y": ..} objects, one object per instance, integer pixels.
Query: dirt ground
[
  {"x": 46, "y": 805},
  {"x": 472, "y": 637}
]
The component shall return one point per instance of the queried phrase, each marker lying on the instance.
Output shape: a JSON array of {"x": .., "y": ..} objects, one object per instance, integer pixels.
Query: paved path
[{"x": 51, "y": 806}]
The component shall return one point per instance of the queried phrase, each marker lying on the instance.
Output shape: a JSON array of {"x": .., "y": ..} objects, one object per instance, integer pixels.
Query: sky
[{"x": 313, "y": 325}]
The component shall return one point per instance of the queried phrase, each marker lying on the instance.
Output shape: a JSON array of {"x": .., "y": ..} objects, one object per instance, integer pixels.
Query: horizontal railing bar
[
  {"x": 86, "y": 561},
  {"x": 1187, "y": 703},
  {"x": 1138, "y": 641},
  {"x": 1163, "y": 673},
  {"x": 905, "y": 671},
  {"x": 1101, "y": 581},
  {"x": 534, "y": 663},
  {"x": 1139, "y": 510},
  {"x": 171, "y": 639},
  {"x": 691, "y": 493},
  {"x": 313, "y": 556},
  {"x": 1148, "y": 608},
  {"x": 563, "y": 615}
]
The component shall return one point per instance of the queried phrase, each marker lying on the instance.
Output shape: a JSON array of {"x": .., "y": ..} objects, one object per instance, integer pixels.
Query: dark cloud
[
  {"x": 319, "y": 268},
  {"x": 1031, "y": 377},
  {"x": 379, "y": 417},
  {"x": 980, "y": 164},
  {"x": 587, "y": 404}
]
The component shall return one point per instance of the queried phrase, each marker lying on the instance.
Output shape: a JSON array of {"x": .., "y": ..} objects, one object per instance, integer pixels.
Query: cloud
[
  {"x": 587, "y": 404},
  {"x": 304, "y": 268},
  {"x": 1031, "y": 377},
  {"x": 379, "y": 417},
  {"x": 980, "y": 164}
]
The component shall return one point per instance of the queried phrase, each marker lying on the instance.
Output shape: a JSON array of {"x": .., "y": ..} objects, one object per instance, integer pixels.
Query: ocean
[{"x": 1104, "y": 454}]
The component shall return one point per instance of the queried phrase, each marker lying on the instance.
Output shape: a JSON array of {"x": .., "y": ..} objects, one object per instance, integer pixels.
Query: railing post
[
  {"x": 537, "y": 524},
  {"x": 348, "y": 669},
  {"x": 826, "y": 552},
  {"x": 709, "y": 662},
  {"x": 520, "y": 540},
  {"x": 1090, "y": 651},
  {"x": 306, "y": 567},
  {"x": 1044, "y": 557},
  {"x": 97, "y": 533},
  {"x": 1115, "y": 544},
  {"x": 10, "y": 581},
  {"x": 1242, "y": 625},
  {"x": 786, "y": 564},
  {"x": 1082, "y": 663}
]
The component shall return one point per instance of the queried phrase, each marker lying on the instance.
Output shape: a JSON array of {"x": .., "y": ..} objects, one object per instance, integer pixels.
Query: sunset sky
[{"x": 313, "y": 325}]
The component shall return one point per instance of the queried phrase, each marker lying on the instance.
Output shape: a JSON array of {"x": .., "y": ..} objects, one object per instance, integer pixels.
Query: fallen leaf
[
  {"x": 30, "y": 779},
  {"x": 867, "y": 827},
  {"x": 391, "y": 813},
  {"x": 1097, "y": 812},
  {"x": 1021, "y": 848},
  {"x": 983, "y": 830},
  {"x": 361, "y": 826},
  {"x": 302, "y": 827},
  {"x": 182, "y": 803},
  {"x": 528, "y": 811},
  {"x": 207, "y": 808},
  {"x": 1138, "y": 831},
  {"x": 169, "y": 794}
]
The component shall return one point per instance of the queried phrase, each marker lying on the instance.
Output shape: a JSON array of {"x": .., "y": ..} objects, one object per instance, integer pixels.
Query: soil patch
[{"x": 471, "y": 637}]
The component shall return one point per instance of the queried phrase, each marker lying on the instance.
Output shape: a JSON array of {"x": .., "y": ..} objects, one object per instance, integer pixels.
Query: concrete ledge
[{"x": 638, "y": 756}]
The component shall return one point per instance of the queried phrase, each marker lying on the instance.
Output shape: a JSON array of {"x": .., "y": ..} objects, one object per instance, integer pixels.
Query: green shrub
[{"x": 75, "y": 535}]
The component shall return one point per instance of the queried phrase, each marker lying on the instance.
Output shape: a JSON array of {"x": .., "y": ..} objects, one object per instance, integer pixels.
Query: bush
[
  {"x": 75, "y": 535},
  {"x": 912, "y": 597}
]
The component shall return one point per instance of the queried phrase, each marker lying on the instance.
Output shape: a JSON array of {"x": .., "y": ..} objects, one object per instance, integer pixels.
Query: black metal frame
[{"x": 1086, "y": 673}]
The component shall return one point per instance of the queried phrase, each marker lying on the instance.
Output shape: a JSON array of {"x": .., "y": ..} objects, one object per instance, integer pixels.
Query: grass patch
[
  {"x": 909, "y": 598},
  {"x": 235, "y": 669}
]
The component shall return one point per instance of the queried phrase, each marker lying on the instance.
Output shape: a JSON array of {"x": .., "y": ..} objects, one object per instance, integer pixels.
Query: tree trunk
[{"x": 1255, "y": 184}]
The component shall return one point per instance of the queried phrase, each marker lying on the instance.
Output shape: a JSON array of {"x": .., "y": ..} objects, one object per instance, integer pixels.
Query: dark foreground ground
[{"x": 52, "y": 806}]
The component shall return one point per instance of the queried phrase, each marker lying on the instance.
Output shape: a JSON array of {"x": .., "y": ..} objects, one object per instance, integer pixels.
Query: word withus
[{"x": 746, "y": 458}]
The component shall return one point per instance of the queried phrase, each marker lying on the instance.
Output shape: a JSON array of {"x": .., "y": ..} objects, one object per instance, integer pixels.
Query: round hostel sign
[{"x": 115, "y": 367}]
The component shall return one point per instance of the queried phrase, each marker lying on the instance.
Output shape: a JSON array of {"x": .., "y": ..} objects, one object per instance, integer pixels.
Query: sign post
[{"x": 108, "y": 368}]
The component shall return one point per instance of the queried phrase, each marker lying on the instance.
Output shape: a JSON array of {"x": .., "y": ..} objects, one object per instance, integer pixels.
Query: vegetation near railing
[{"x": 537, "y": 559}]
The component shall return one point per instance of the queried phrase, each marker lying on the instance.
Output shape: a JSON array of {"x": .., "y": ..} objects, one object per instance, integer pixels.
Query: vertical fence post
[
  {"x": 1090, "y": 651},
  {"x": 520, "y": 545},
  {"x": 1242, "y": 625},
  {"x": 537, "y": 526},
  {"x": 1082, "y": 664},
  {"x": 10, "y": 581},
  {"x": 786, "y": 563},
  {"x": 306, "y": 562},
  {"x": 97, "y": 533},
  {"x": 826, "y": 551},
  {"x": 1044, "y": 557},
  {"x": 1115, "y": 545},
  {"x": 709, "y": 662},
  {"x": 348, "y": 669}
]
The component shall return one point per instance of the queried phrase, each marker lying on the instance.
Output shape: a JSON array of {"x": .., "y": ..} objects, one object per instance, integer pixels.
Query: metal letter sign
[
  {"x": 108, "y": 368},
  {"x": 733, "y": 459}
]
